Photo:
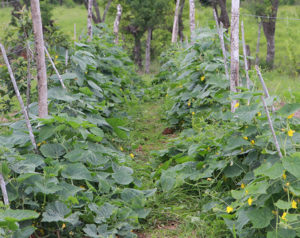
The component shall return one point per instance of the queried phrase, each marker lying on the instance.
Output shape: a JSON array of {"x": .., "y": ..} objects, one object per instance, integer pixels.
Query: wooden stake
[
  {"x": 264, "y": 85},
  {"x": 192, "y": 18},
  {"x": 258, "y": 43},
  {"x": 4, "y": 191},
  {"x": 175, "y": 24},
  {"x": 66, "y": 57},
  {"x": 245, "y": 56},
  {"x": 234, "y": 74},
  {"x": 13, "y": 80},
  {"x": 221, "y": 37},
  {"x": 89, "y": 24},
  {"x": 75, "y": 37},
  {"x": 271, "y": 127},
  {"x": 117, "y": 23},
  {"x": 29, "y": 76},
  {"x": 40, "y": 58},
  {"x": 55, "y": 69}
]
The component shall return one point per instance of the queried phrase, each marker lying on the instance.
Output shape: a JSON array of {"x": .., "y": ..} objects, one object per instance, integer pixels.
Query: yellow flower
[
  {"x": 291, "y": 132},
  {"x": 291, "y": 116},
  {"x": 236, "y": 105},
  {"x": 245, "y": 138},
  {"x": 252, "y": 142},
  {"x": 56, "y": 56},
  {"x": 246, "y": 191},
  {"x": 284, "y": 216},
  {"x": 242, "y": 186},
  {"x": 208, "y": 148},
  {"x": 39, "y": 144},
  {"x": 193, "y": 113},
  {"x": 209, "y": 179},
  {"x": 284, "y": 176},
  {"x": 202, "y": 78},
  {"x": 294, "y": 204},
  {"x": 259, "y": 114},
  {"x": 63, "y": 226},
  {"x": 229, "y": 209},
  {"x": 121, "y": 148},
  {"x": 189, "y": 104},
  {"x": 250, "y": 201},
  {"x": 287, "y": 184},
  {"x": 132, "y": 155}
]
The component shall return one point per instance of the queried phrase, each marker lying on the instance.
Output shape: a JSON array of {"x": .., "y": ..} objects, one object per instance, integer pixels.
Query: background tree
[
  {"x": 268, "y": 10},
  {"x": 140, "y": 17}
]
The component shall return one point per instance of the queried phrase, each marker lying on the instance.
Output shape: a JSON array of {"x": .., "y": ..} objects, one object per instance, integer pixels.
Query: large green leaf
[
  {"x": 292, "y": 164},
  {"x": 122, "y": 175},
  {"x": 260, "y": 217},
  {"x": 76, "y": 171},
  {"x": 273, "y": 171},
  {"x": 283, "y": 204},
  {"x": 52, "y": 150},
  {"x": 289, "y": 109},
  {"x": 103, "y": 213},
  {"x": 58, "y": 211}
]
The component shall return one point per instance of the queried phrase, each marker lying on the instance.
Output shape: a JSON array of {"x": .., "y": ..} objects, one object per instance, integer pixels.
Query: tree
[
  {"x": 140, "y": 17},
  {"x": 89, "y": 20},
  {"x": 175, "y": 23},
  {"x": 40, "y": 58},
  {"x": 223, "y": 16},
  {"x": 268, "y": 10},
  {"x": 96, "y": 16}
]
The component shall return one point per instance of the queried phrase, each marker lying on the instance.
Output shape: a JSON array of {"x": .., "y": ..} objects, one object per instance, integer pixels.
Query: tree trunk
[
  {"x": 117, "y": 23},
  {"x": 148, "y": 51},
  {"x": 192, "y": 18},
  {"x": 106, "y": 10},
  {"x": 269, "y": 26},
  {"x": 269, "y": 30},
  {"x": 89, "y": 22},
  {"x": 180, "y": 22},
  {"x": 97, "y": 10},
  {"x": 60, "y": 2},
  {"x": 29, "y": 77},
  {"x": 258, "y": 44},
  {"x": 224, "y": 15},
  {"x": 234, "y": 74},
  {"x": 40, "y": 58},
  {"x": 175, "y": 24},
  {"x": 137, "y": 51}
]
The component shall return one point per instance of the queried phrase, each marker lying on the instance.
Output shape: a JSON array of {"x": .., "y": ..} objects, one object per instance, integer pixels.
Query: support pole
[{"x": 13, "y": 80}]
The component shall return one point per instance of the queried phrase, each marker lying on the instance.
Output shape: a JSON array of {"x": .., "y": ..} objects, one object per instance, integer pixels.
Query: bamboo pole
[
  {"x": 4, "y": 191},
  {"x": 258, "y": 43},
  {"x": 117, "y": 23},
  {"x": 221, "y": 37},
  {"x": 245, "y": 56},
  {"x": 271, "y": 127},
  {"x": 55, "y": 69},
  {"x": 12, "y": 77},
  {"x": 234, "y": 69},
  {"x": 264, "y": 85}
]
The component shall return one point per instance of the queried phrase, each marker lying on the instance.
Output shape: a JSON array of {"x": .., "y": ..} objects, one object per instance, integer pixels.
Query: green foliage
[
  {"x": 80, "y": 183},
  {"x": 230, "y": 158}
]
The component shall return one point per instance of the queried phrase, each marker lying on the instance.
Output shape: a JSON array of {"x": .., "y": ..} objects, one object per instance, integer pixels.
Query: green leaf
[
  {"x": 260, "y": 217},
  {"x": 103, "y": 213},
  {"x": 122, "y": 175},
  {"x": 292, "y": 164},
  {"x": 58, "y": 211},
  {"x": 283, "y": 204},
  {"x": 282, "y": 233},
  {"x": 273, "y": 171},
  {"x": 76, "y": 171},
  {"x": 52, "y": 150},
  {"x": 95, "y": 232},
  {"x": 258, "y": 188}
]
